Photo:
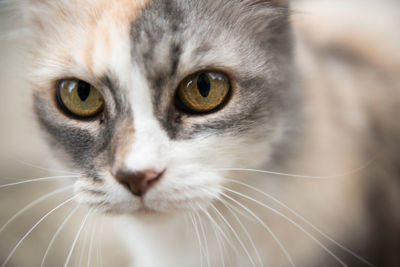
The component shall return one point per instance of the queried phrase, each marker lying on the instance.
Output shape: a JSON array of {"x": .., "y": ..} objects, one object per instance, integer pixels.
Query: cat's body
[{"x": 291, "y": 109}]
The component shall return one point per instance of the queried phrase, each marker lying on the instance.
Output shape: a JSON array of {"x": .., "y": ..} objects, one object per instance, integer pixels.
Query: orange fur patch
[
  {"x": 123, "y": 11},
  {"x": 102, "y": 15},
  {"x": 122, "y": 142}
]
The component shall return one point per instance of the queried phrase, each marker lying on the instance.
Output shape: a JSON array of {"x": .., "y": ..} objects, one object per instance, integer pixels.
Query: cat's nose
[{"x": 138, "y": 182}]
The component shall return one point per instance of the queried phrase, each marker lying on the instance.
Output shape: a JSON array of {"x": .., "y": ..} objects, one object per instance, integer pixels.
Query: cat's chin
[
  {"x": 142, "y": 213},
  {"x": 137, "y": 207},
  {"x": 103, "y": 208}
]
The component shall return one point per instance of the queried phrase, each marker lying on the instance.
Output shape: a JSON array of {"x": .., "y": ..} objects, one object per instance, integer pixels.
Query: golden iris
[
  {"x": 79, "y": 97},
  {"x": 203, "y": 91}
]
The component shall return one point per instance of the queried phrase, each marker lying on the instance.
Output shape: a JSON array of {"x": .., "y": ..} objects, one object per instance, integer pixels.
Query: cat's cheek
[{"x": 183, "y": 191}]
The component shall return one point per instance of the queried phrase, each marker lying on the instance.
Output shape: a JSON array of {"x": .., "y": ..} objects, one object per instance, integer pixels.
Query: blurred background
[{"x": 24, "y": 155}]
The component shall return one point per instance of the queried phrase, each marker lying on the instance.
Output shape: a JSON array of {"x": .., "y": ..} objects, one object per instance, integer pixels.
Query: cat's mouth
[
  {"x": 146, "y": 210},
  {"x": 111, "y": 197},
  {"x": 101, "y": 201}
]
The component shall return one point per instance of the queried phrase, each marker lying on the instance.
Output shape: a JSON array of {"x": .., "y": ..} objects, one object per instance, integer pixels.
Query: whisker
[
  {"x": 40, "y": 167},
  {"x": 30, "y": 205},
  {"x": 37, "y": 180},
  {"x": 99, "y": 247},
  {"x": 207, "y": 253},
  {"x": 85, "y": 240},
  {"x": 317, "y": 177},
  {"x": 236, "y": 235},
  {"x": 217, "y": 236},
  {"x": 186, "y": 223},
  {"x": 83, "y": 243},
  {"x": 304, "y": 220},
  {"x": 76, "y": 238},
  {"x": 13, "y": 179},
  {"x": 200, "y": 243},
  {"x": 215, "y": 223},
  {"x": 221, "y": 231},
  {"x": 265, "y": 226},
  {"x": 91, "y": 244},
  {"x": 289, "y": 220},
  {"x": 230, "y": 208},
  {"x": 237, "y": 210},
  {"x": 34, "y": 226},
  {"x": 56, "y": 234}
]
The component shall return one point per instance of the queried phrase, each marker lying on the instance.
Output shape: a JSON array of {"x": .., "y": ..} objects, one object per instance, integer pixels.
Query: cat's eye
[
  {"x": 203, "y": 91},
  {"x": 79, "y": 98}
]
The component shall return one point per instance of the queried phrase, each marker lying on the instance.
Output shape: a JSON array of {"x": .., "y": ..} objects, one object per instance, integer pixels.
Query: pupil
[
  {"x": 83, "y": 90},
  {"x": 203, "y": 85}
]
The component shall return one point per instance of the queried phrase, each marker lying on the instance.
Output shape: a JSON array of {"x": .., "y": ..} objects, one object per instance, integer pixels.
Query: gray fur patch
[
  {"x": 166, "y": 31},
  {"x": 89, "y": 153}
]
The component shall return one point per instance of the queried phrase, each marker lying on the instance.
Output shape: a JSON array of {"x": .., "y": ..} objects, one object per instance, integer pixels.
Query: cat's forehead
[
  {"x": 89, "y": 23},
  {"x": 152, "y": 45}
]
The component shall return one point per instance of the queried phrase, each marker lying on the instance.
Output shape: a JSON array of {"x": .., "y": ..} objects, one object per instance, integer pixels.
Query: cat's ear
[{"x": 268, "y": 21}]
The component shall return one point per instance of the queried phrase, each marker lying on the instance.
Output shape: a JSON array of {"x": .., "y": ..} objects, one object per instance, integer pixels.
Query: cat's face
[{"x": 144, "y": 144}]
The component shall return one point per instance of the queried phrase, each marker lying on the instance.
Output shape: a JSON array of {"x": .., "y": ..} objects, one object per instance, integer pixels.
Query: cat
[{"x": 171, "y": 110}]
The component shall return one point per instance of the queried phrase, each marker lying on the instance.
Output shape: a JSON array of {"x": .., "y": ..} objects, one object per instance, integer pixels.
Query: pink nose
[{"x": 138, "y": 182}]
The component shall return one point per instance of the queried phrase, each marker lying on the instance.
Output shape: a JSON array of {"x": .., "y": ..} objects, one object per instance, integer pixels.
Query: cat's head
[{"x": 149, "y": 100}]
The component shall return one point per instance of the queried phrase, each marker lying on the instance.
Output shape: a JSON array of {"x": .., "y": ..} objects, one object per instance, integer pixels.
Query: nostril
[
  {"x": 126, "y": 184},
  {"x": 153, "y": 180},
  {"x": 138, "y": 183}
]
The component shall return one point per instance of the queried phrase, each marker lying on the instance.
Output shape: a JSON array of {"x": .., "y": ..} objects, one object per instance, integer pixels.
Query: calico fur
[{"x": 290, "y": 110}]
